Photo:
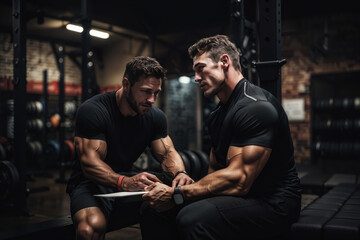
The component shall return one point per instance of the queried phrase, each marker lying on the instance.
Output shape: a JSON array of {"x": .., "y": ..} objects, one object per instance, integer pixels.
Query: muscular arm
[
  {"x": 166, "y": 154},
  {"x": 170, "y": 160},
  {"x": 244, "y": 165},
  {"x": 92, "y": 153}
]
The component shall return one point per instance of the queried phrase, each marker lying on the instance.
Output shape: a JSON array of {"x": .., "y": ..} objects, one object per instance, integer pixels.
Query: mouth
[
  {"x": 202, "y": 86},
  {"x": 146, "y": 105}
]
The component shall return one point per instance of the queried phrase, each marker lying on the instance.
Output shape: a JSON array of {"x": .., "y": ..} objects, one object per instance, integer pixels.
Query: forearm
[
  {"x": 100, "y": 172},
  {"x": 172, "y": 164},
  {"x": 221, "y": 182}
]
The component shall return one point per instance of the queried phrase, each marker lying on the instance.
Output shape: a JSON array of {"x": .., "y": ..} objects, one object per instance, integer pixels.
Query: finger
[
  {"x": 181, "y": 182},
  {"x": 149, "y": 188},
  {"x": 152, "y": 177},
  {"x": 174, "y": 183},
  {"x": 189, "y": 181}
]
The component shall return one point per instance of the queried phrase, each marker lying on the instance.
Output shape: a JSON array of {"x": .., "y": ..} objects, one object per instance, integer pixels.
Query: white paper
[{"x": 120, "y": 194}]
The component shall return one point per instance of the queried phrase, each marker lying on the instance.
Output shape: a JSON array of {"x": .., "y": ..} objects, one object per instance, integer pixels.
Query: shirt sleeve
[
  {"x": 160, "y": 125},
  {"x": 255, "y": 124},
  {"x": 90, "y": 121}
]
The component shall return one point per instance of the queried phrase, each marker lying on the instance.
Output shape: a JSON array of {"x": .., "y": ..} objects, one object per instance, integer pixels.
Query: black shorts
[{"x": 119, "y": 209}]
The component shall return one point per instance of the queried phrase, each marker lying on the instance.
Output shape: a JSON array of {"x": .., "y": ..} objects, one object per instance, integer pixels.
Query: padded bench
[
  {"x": 334, "y": 215},
  {"x": 55, "y": 229}
]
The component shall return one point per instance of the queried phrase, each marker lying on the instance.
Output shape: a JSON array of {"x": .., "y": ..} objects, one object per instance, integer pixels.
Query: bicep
[
  {"x": 249, "y": 161},
  {"x": 90, "y": 149}
]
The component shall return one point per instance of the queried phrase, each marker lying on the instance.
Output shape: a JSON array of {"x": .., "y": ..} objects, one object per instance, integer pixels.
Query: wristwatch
[{"x": 178, "y": 196}]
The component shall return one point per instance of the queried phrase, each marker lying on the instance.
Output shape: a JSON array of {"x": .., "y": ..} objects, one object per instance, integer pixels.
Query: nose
[
  {"x": 197, "y": 77},
  {"x": 151, "y": 99}
]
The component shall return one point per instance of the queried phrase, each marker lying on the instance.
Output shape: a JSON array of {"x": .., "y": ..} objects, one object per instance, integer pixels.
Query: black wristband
[{"x": 181, "y": 172}]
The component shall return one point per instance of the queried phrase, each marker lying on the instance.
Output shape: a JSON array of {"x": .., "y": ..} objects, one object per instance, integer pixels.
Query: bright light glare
[
  {"x": 74, "y": 28},
  {"x": 93, "y": 32},
  {"x": 99, "y": 34},
  {"x": 184, "y": 79}
]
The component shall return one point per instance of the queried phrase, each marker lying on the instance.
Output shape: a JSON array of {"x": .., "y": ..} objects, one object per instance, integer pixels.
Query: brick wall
[
  {"x": 300, "y": 45},
  {"x": 39, "y": 57}
]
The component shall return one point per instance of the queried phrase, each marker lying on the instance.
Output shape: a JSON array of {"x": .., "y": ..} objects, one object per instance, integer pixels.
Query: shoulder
[
  {"x": 156, "y": 112},
  {"x": 257, "y": 113},
  {"x": 98, "y": 101}
]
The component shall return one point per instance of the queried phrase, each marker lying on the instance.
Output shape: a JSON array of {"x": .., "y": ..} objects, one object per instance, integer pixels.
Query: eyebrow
[
  {"x": 197, "y": 64},
  {"x": 148, "y": 88}
]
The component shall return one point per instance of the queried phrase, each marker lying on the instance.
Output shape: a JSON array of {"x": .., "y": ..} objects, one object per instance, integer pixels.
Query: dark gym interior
[{"x": 306, "y": 53}]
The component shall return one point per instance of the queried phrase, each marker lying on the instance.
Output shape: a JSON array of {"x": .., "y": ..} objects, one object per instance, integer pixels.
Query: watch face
[{"x": 178, "y": 199}]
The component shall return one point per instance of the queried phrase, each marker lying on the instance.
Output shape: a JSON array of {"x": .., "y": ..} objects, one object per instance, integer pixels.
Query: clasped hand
[{"x": 159, "y": 195}]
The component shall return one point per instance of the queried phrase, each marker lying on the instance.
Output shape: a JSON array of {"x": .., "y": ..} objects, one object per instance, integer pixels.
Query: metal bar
[
  {"x": 19, "y": 81},
  {"x": 86, "y": 52},
  {"x": 61, "y": 64},
  {"x": 269, "y": 22}
]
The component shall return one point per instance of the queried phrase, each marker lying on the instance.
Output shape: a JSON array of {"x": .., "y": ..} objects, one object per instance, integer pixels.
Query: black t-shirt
[
  {"x": 252, "y": 116},
  {"x": 126, "y": 137}
]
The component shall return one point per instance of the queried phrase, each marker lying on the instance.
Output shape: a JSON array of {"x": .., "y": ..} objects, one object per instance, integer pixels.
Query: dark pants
[
  {"x": 120, "y": 212},
  {"x": 222, "y": 217}
]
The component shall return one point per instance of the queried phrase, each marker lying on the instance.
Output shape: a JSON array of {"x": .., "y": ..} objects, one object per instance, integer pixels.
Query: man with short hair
[
  {"x": 112, "y": 130},
  {"x": 252, "y": 190}
]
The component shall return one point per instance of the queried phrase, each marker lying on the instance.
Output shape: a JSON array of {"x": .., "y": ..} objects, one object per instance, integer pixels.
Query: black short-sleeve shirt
[
  {"x": 126, "y": 137},
  {"x": 252, "y": 116}
]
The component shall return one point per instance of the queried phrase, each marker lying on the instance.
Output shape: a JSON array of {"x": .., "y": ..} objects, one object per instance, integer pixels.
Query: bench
[{"x": 334, "y": 215}]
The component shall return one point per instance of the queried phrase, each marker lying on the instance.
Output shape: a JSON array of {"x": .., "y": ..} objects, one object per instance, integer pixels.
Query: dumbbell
[
  {"x": 69, "y": 108},
  {"x": 34, "y": 107},
  {"x": 35, "y": 125},
  {"x": 52, "y": 151}
]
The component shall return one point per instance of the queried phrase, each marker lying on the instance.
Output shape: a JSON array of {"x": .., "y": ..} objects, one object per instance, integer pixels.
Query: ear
[
  {"x": 126, "y": 84},
  {"x": 225, "y": 61}
]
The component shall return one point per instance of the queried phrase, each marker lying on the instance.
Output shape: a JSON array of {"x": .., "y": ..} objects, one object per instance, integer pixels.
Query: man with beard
[{"x": 112, "y": 130}]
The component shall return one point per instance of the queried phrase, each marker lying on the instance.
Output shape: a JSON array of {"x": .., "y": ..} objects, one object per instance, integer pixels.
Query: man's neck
[
  {"x": 122, "y": 103},
  {"x": 231, "y": 80}
]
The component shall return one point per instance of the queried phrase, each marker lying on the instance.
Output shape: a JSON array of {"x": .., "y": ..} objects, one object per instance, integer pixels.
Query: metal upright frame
[
  {"x": 263, "y": 54},
  {"x": 20, "y": 99},
  {"x": 60, "y": 60},
  {"x": 269, "y": 32}
]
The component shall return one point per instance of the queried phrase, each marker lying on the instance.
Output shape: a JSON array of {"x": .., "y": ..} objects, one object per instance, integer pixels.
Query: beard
[{"x": 135, "y": 106}]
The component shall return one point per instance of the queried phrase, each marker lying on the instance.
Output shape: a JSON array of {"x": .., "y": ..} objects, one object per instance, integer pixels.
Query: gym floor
[
  {"x": 54, "y": 203},
  {"x": 50, "y": 204}
]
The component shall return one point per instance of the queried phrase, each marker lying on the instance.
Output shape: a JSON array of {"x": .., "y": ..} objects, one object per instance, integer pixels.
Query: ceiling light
[
  {"x": 74, "y": 28},
  {"x": 99, "y": 34},
  {"x": 184, "y": 79},
  {"x": 93, "y": 32}
]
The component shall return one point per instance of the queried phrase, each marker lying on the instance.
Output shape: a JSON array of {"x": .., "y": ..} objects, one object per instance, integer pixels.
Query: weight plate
[
  {"x": 204, "y": 159},
  {"x": 194, "y": 163},
  {"x": 2, "y": 152},
  {"x": 9, "y": 179},
  {"x": 52, "y": 150},
  {"x": 186, "y": 162}
]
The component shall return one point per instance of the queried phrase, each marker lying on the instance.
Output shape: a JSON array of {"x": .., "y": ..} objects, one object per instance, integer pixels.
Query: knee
[
  {"x": 190, "y": 217},
  {"x": 93, "y": 227}
]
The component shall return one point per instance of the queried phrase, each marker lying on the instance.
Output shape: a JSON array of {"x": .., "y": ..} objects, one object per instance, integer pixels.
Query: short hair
[
  {"x": 143, "y": 66},
  {"x": 215, "y": 46}
]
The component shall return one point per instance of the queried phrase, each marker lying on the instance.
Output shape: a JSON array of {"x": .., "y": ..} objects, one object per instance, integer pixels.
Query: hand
[
  {"x": 139, "y": 181},
  {"x": 182, "y": 179},
  {"x": 159, "y": 197}
]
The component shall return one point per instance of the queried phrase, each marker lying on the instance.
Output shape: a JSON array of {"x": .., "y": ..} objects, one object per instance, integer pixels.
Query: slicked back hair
[{"x": 215, "y": 46}]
